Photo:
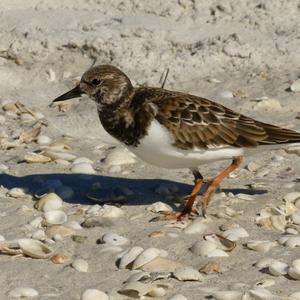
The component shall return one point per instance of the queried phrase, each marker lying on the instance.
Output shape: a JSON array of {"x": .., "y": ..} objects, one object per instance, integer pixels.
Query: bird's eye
[{"x": 96, "y": 81}]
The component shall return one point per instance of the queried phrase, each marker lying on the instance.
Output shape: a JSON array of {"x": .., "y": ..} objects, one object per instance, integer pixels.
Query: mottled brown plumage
[{"x": 192, "y": 122}]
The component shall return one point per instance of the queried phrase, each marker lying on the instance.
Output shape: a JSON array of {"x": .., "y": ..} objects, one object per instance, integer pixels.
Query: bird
[{"x": 175, "y": 130}]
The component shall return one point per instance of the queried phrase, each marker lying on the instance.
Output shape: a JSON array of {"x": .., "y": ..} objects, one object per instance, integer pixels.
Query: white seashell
[
  {"x": 234, "y": 234},
  {"x": 43, "y": 140},
  {"x": 261, "y": 246},
  {"x": 39, "y": 235},
  {"x": 187, "y": 274},
  {"x": 145, "y": 257},
  {"x": 226, "y": 94},
  {"x": 178, "y": 297},
  {"x": 114, "y": 239},
  {"x": 83, "y": 168},
  {"x": 119, "y": 156},
  {"x": 261, "y": 294},
  {"x": 55, "y": 217},
  {"x": 2, "y": 238},
  {"x": 35, "y": 248},
  {"x": 93, "y": 294},
  {"x": 269, "y": 105},
  {"x": 294, "y": 269},
  {"x": 291, "y": 197},
  {"x": 17, "y": 193},
  {"x": 293, "y": 241},
  {"x": 32, "y": 157},
  {"x": 37, "y": 222},
  {"x": 49, "y": 202},
  {"x": 59, "y": 155},
  {"x": 80, "y": 265},
  {"x": 81, "y": 160},
  {"x": 159, "y": 207},
  {"x": 264, "y": 262},
  {"x": 130, "y": 256},
  {"x": 198, "y": 226},
  {"x": 203, "y": 248},
  {"x": 295, "y": 86},
  {"x": 23, "y": 292},
  {"x": 296, "y": 217},
  {"x": 110, "y": 211},
  {"x": 227, "y": 295},
  {"x": 278, "y": 268},
  {"x": 138, "y": 289}
]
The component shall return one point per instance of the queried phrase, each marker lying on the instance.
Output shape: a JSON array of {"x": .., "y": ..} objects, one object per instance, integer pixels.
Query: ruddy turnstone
[{"x": 176, "y": 130}]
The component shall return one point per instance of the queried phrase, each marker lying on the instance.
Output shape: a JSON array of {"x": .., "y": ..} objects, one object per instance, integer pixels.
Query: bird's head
[{"x": 105, "y": 84}]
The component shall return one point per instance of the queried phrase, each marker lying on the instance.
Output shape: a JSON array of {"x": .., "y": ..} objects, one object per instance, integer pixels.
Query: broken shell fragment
[
  {"x": 35, "y": 248},
  {"x": 129, "y": 257},
  {"x": 161, "y": 264},
  {"x": 32, "y": 157},
  {"x": 80, "y": 265},
  {"x": 234, "y": 234},
  {"x": 261, "y": 246},
  {"x": 187, "y": 274},
  {"x": 145, "y": 257},
  {"x": 278, "y": 268},
  {"x": 138, "y": 289},
  {"x": 55, "y": 217},
  {"x": 196, "y": 227}
]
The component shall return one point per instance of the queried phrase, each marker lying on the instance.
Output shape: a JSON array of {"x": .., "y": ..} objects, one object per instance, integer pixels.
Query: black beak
[{"x": 74, "y": 93}]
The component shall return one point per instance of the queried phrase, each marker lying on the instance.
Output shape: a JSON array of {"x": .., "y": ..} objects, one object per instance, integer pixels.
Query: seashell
[
  {"x": 17, "y": 193},
  {"x": 294, "y": 270},
  {"x": 110, "y": 211},
  {"x": 37, "y": 222},
  {"x": 261, "y": 246},
  {"x": 296, "y": 217},
  {"x": 266, "y": 282},
  {"x": 61, "y": 230},
  {"x": 291, "y": 197},
  {"x": 145, "y": 257},
  {"x": 22, "y": 292},
  {"x": 198, "y": 226},
  {"x": 138, "y": 276},
  {"x": 278, "y": 268},
  {"x": 30, "y": 135},
  {"x": 226, "y": 94},
  {"x": 235, "y": 234},
  {"x": 32, "y": 157},
  {"x": 43, "y": 140},
  {"x": 81, "y": 160},
  {"x": 178, "y": 297},
  {"x": 119, "y": 156},
  {"x": 159, "y": 207},
  {"x": 59, "y": 155},
  {"x": 39, "y": 235},
  {"x": 227, "y": 295},
  {"x": 80, "y": 265},
  {"x": 111, "y": 249},
  {"x": 203, "y": 248},
  {"x": 293, "y": 241},
  {"x": 261, "y": 294},
  {"x": 294, "y": 296},
  {"x": 34, "y": 248},
  {"x": 129, "y": 257},
  {"x": 59, "y": 259},
  {"x": 2, "y": 238},
  {"x": 291, "y": 230},
  {"x": 218, "y": 253},
  {"x": 138, "y": 289},
  {"x": 245, "y": 197},
  {"x": 277, "y": 222},
  {"x": 59, "y": 146},
  {"x": 55, "y": 217},
  {"x": 161, "y": 264},
  {"x": 93, "y": 294},
  {"x": 187, "y": 274},
  {"x": 49, "y": 202},
  {"x": 264, "y": 262},
  {"x": 114, "y": 239},
  {"x": 295, "y": 86},
  {"x": 83, "y": 168}
]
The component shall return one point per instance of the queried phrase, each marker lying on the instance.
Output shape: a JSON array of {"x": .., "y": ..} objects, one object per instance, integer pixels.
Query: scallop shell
[
  {"x": 278, "y": 268},
  {"x": 138, "y": 289},
  {"x": 55, "y": 217},
  {"x": 203, "y": 248},
  {"x": 80, "y": 265},
  {"x": 114, "y": 239},
  {"x": 294, "y": 270},
  {"x": 187, "y": 274},
  {"x": 34, "y": 248},
  {"x": 49, "y": 202},
  {"x": 93, "y": 294},
  {"x": 129, "y": 257},
  {"x": 198, "y": 226},
  {"x": 261, "y": 246},
  {"x": 145, "y": 257},
  {"x": 22, "y": 292},
  {"x": 235, "y": 234},
  {"x": 227, "y": 295}
]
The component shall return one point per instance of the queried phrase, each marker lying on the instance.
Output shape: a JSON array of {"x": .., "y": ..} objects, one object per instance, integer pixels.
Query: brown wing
[{"x": 196, "y": 121}]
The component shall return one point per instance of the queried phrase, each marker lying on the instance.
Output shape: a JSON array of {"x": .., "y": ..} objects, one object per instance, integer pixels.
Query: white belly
[{"x": 157, "y": 149}]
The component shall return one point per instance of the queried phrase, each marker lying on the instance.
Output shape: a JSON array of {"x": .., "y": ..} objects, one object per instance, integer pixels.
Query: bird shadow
[{"x": 88, "y": 189}]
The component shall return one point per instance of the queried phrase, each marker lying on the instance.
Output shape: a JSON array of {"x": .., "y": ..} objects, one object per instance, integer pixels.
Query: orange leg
[{"x": 216, "y": 182}]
